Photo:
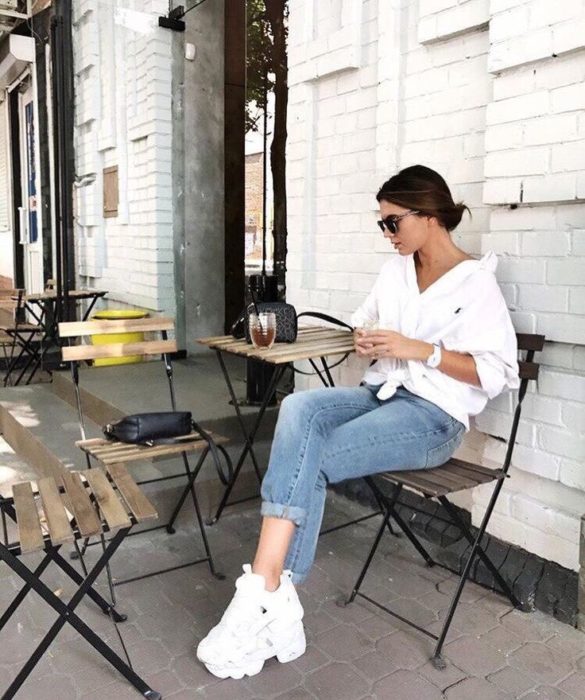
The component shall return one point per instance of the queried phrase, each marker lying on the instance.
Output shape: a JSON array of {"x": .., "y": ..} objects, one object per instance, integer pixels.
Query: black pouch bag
[
  {"x": 165, "y": 428},
  {"x": 286, "y": 320},
  {"x": 150, "y": 428}
]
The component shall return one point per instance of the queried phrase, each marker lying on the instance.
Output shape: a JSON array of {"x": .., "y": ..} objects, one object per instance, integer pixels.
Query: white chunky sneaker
[{"x": 257, "y": 625}]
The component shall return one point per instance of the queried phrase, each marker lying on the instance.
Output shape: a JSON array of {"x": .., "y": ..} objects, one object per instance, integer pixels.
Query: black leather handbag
[
  {"x": 164, "y": 428},
  {"x": 286, "y": 320},
  {"x": 150, "y": 428}
]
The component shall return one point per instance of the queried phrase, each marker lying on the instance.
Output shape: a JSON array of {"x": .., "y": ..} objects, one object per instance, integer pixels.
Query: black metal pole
[
  {"x": 264, "y": 172},
  {"x": 56, "y": 88},
  {"x": 61, "y": 48}
]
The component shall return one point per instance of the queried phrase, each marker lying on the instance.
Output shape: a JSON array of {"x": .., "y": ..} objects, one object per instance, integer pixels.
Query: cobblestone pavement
[{"x": 493, "y": 652}]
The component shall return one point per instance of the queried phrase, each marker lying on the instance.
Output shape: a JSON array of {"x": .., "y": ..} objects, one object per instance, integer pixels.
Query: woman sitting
[{"x": 441, "y": 340}]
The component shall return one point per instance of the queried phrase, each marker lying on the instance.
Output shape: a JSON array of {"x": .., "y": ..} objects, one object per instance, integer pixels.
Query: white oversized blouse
[{"x": 464, "y": 310}]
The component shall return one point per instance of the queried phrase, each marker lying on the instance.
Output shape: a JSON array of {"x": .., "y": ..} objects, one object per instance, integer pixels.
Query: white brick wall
[
  {"x": 471, "y": 88},
  {"x": 123, "y": 117}
]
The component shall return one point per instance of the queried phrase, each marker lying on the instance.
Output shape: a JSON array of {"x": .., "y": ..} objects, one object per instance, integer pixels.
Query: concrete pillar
[{"x": 203, "y": 144}]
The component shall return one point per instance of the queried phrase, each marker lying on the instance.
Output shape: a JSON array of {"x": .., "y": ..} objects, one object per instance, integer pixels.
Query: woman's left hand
[{"x": 383, "y": 343}]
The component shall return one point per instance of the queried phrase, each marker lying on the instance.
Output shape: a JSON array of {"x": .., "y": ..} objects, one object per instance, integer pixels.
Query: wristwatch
[{"x": 434, "y": 359}]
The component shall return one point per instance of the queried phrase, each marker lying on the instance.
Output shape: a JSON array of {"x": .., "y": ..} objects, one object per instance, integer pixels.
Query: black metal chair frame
[
  {"x": 10, "y": 552},
  {"x": 528, "y": 371},
  {"x": 191, "y": 475}
]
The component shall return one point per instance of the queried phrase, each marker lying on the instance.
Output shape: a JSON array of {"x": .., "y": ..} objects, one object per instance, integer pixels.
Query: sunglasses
[{"x": 391, "y": 222}]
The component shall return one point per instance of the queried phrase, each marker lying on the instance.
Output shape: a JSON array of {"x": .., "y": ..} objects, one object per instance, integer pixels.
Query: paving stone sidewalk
[{"x": 356, "y": 652}]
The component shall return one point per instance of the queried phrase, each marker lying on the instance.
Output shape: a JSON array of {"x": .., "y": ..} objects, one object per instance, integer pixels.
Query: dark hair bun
[{"x": 423, "y": 189}]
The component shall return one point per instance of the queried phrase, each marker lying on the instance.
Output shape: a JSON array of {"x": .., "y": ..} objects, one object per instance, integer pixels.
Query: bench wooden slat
[
  {"x": 95, "y": 352},
  {"x": 84, "y": 511},
  {"x": 57, "y": 519},
  {"x": 27, "y": 518},
  {"x": 110, "y": 506},
  {"x": 73, "y": 329},
  {"x": 139, "y": 505}
]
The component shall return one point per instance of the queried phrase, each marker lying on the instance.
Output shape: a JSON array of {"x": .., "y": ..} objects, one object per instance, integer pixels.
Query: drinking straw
[{"x": 255, "y": 305}]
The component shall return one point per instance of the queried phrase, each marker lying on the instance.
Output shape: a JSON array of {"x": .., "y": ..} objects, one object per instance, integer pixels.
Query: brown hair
[{"x": 425, "y": 191}]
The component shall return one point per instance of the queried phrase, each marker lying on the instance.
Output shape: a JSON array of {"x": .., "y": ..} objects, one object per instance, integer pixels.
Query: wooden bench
[{"x": 87, "y": 503}]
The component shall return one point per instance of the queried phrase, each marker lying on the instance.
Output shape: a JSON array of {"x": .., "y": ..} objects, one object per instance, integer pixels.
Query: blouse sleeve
[
  {"x": 485, "y": 331},
  {"x": 368, "y": 311}
]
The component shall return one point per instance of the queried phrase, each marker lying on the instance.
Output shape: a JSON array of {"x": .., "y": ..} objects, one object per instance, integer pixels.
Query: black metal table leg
[{"x": 248, "y": 438}]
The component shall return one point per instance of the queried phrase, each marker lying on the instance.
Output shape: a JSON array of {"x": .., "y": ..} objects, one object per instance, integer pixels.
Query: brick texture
[
  {"x": 123, "y": 118},
  {"x": 491, "y": 94}
]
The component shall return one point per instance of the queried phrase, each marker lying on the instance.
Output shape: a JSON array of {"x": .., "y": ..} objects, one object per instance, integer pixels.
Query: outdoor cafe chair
[
  {"x": 110, "y": 452},
  {"x": 437, "y": 483},
  {"x": 18, "y": 338},
  {"x": 67, "y": 509}
]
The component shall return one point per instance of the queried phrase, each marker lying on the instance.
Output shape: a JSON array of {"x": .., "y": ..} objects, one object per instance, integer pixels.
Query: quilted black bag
[{"x": 286, "y": 320}]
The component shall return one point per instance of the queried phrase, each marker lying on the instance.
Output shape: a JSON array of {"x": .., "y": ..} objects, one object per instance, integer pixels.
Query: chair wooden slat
[
  {"x": 73, "y": 329},
  {"x": 84, "y": 511},
  {"x": 530, "y": 341},
  {"x": 473, "y": 467},
  {"x": 139, "y": 505},
  {"x": 414, "y": 481},
  {"x": 95, "y": 352},
  {"x": 27, "y": 518},
  {"x": 110, "y": 505},
  {"x": 528, "y": 370},
  {"x": 109, "y": 452},
  {"x": 57, "y": 519},
  {"x": 455, "y": 475},
  {"x": 474, "y": 478}
]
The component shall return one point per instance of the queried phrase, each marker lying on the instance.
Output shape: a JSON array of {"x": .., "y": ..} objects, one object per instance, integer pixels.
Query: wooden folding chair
[
  {"x": 19, "y": 339},
  {"x": 455, "y": 475},
  {"x": 111, "y": 452},
  {"x": 87, "y": 503}
]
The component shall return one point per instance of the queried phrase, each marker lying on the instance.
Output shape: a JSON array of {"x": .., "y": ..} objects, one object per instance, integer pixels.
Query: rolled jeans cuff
[
  {"x": 297, "y": 578},
  {"x": 279, "y": 510}
]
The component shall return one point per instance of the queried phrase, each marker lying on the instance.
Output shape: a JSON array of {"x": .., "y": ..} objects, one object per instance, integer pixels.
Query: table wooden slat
[
  {"x": 312, "y": 342},
  {"x": 57, "y": 519},
  {"x": 139, "y": 505},
  {"x": 84, "y": 511},
  {"x": 112, "y": 509},
  {"x": 27, "y": 517},
  {"x": 74, "y": 294}
]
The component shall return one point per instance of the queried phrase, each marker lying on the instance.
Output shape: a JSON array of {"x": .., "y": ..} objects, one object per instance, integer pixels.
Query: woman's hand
[{"x": 377, "y": 344}]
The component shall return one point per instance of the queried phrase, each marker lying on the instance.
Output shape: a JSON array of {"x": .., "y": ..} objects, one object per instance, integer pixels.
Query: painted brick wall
[
  {"x": 123, "y": 118},
  {"x": 471, "y": 88}
]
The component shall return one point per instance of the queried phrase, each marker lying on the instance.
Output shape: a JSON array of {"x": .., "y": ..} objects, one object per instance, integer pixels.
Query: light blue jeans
[{"x": 327, "y": 435}]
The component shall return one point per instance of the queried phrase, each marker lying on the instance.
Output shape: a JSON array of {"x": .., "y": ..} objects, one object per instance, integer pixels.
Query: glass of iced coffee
[{"x": 262, "y": 329}]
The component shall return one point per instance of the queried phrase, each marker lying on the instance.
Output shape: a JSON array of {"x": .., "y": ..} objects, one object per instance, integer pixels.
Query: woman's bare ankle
[{"x": 271, "y": 578}]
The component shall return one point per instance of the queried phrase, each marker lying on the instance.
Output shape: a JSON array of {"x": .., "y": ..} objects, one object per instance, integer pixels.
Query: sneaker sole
[{"x": 290, "y": 652}]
